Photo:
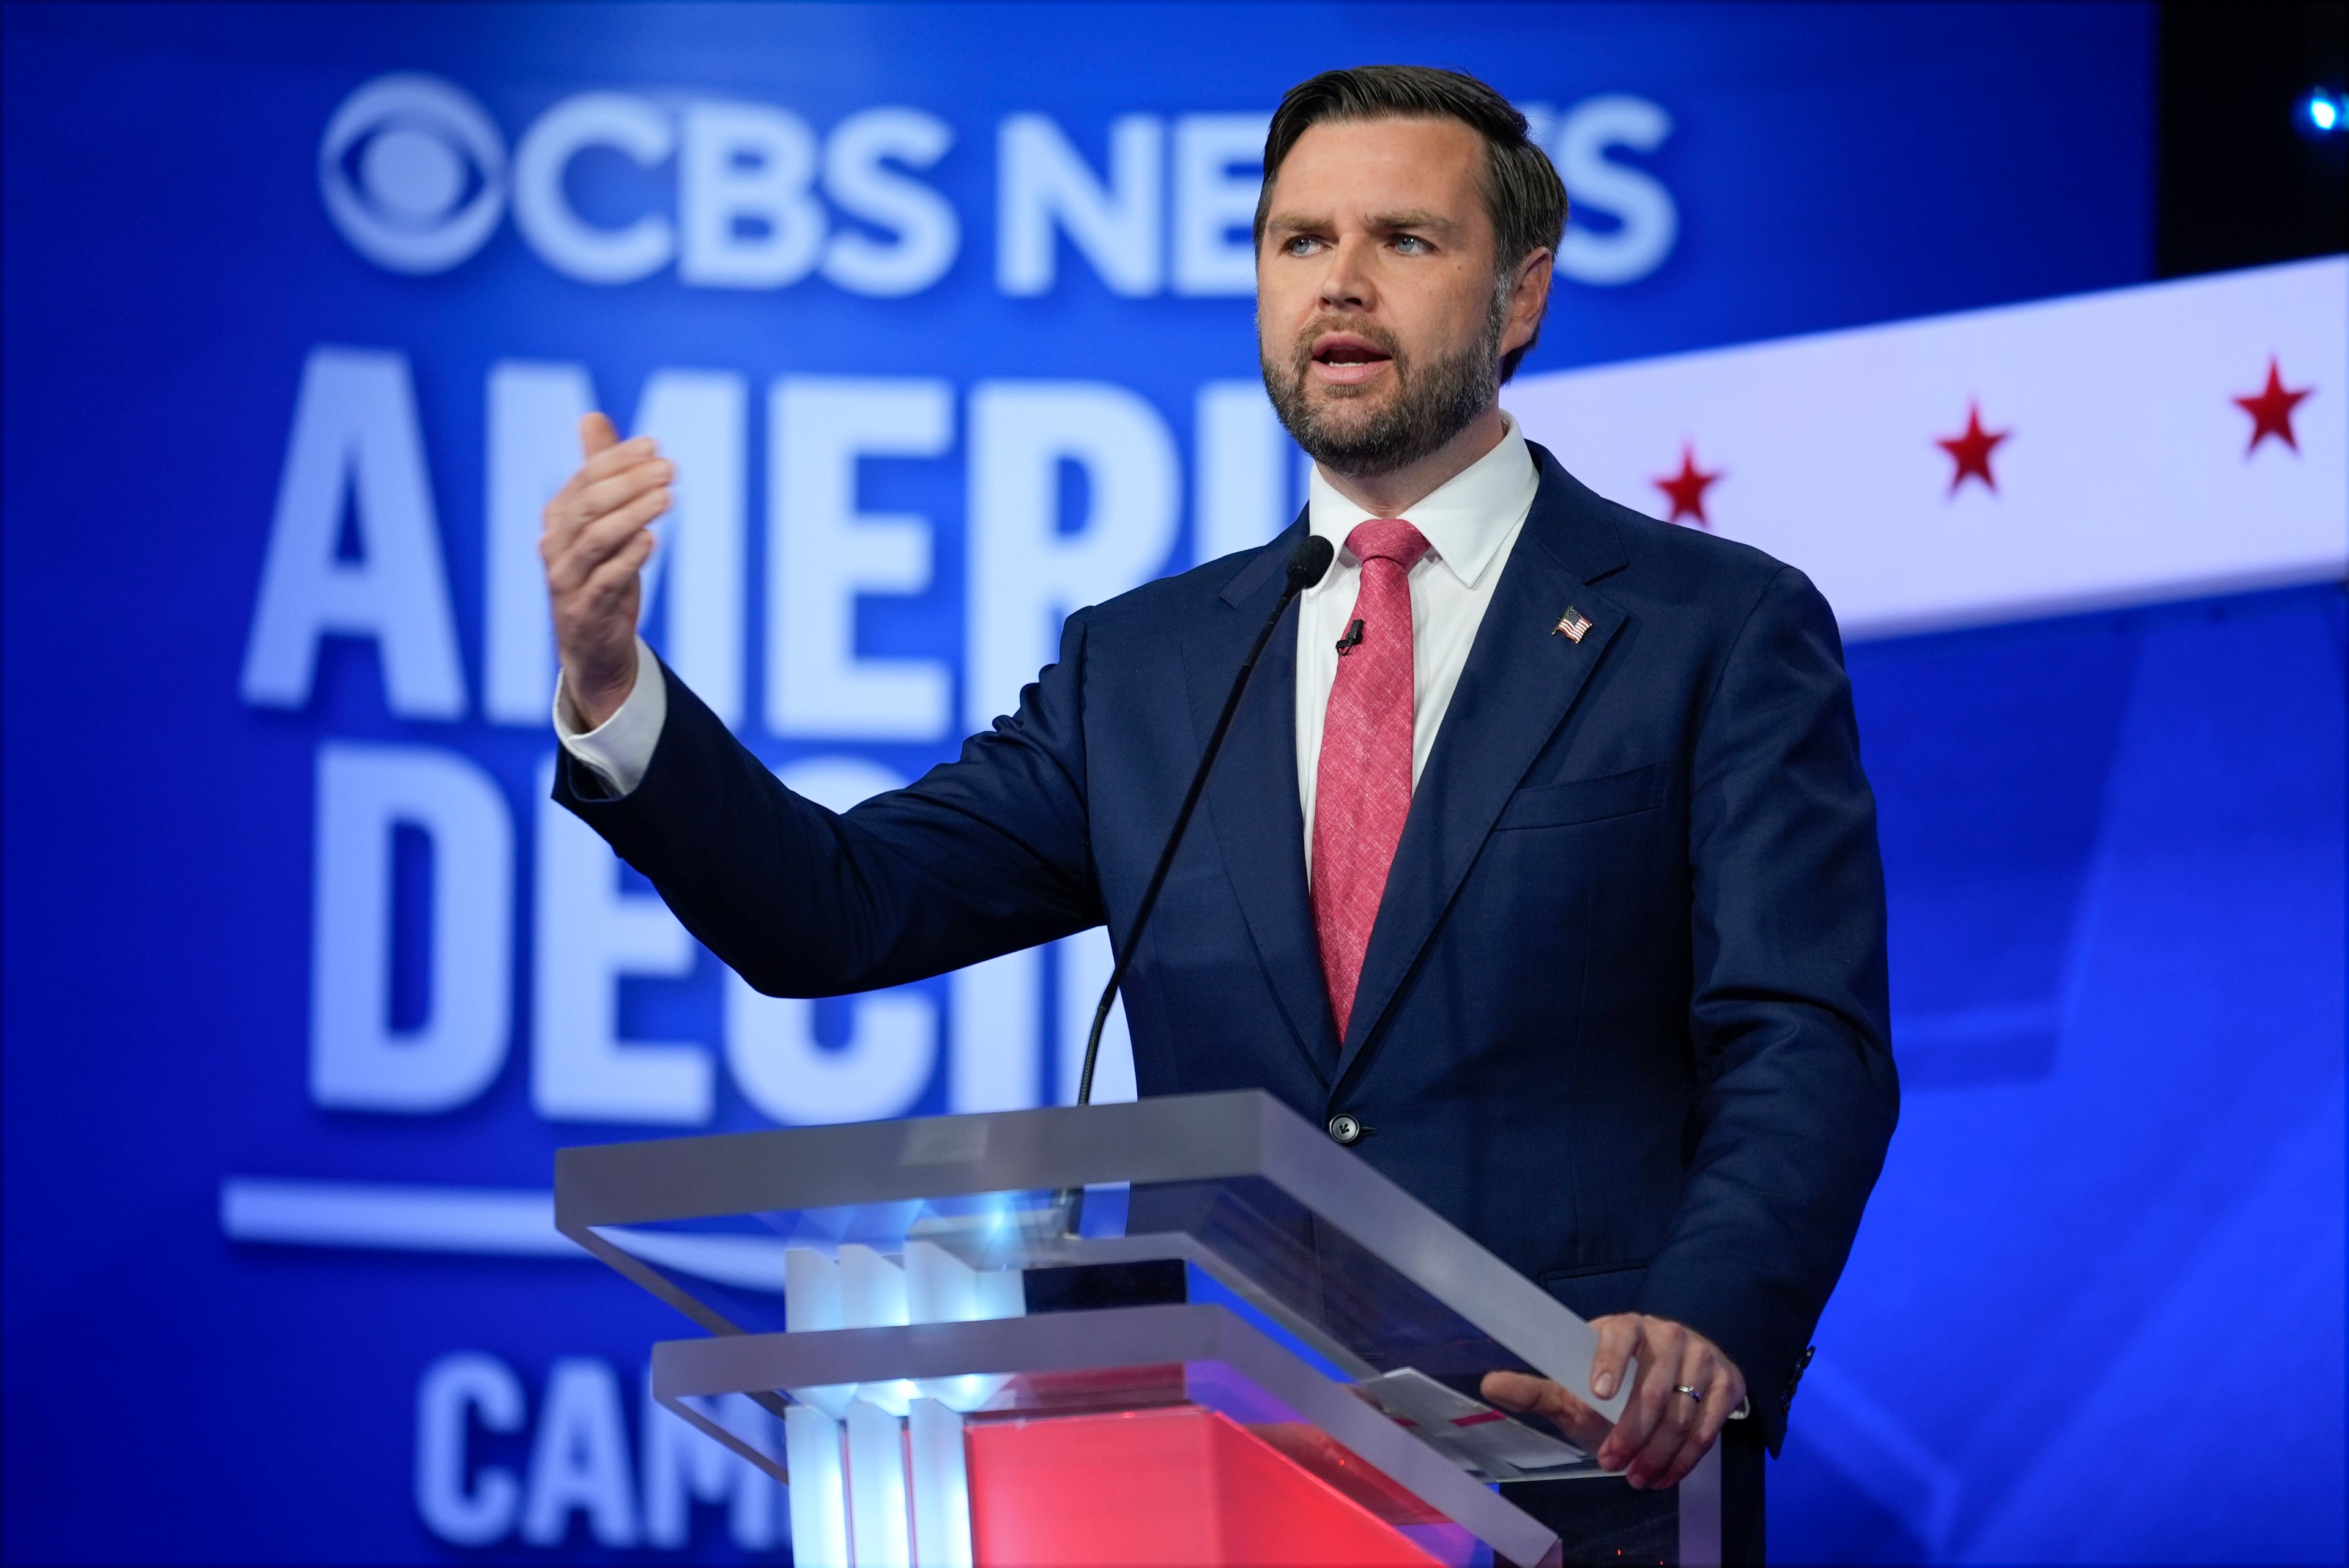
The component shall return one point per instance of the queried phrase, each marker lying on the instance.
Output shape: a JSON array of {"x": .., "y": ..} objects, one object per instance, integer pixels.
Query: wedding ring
[{"x": 1691, "y": 1393}]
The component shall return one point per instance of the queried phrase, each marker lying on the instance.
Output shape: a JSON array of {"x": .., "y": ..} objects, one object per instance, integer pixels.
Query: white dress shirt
[
  {"x": 621, "y": 747},
  {"x": 1471, "y": 523}
]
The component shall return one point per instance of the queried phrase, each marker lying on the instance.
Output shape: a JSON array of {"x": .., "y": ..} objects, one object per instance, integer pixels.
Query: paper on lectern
[{"x": 1473, "y": 1434}]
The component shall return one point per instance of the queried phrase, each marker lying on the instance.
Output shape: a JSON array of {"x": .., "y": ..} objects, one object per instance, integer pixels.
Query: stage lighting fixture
[{"x": 2325, "y": 112}]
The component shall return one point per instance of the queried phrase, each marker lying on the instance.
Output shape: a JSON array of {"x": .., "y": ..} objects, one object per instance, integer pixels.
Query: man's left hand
[{"x": 1663, "y": 1431}]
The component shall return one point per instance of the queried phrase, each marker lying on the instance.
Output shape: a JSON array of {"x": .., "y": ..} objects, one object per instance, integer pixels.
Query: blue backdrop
[{"x": 298, "y": 304}]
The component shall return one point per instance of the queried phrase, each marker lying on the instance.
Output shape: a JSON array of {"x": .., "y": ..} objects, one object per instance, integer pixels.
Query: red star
[
  {"x": 1972, "y": 450},
  {"x": 1686, "y": 488},
  {"x": 2271, "y": 411}
]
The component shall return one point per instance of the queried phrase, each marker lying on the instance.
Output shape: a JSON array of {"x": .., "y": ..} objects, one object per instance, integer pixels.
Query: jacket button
[{"x": 1345, "y": 1129}]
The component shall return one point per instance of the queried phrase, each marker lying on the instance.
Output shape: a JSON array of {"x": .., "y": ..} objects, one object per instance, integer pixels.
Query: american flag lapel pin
[{"x": 1573, "y": 624}]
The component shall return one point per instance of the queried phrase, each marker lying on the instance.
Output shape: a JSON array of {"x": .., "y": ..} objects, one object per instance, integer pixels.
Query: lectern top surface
[{"x": 1084, "y": 1201}]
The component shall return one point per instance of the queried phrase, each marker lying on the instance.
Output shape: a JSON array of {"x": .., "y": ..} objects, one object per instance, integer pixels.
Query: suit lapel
[
  {"x": 1522, "y": 679},
  {"x": 1251, "y": 801}
]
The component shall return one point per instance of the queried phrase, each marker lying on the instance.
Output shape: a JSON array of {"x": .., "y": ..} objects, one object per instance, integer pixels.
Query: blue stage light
[{"x": 2325, "y": 111}]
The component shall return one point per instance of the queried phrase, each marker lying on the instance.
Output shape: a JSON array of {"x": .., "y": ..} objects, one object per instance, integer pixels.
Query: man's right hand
[{"x": 596, "y": 535}]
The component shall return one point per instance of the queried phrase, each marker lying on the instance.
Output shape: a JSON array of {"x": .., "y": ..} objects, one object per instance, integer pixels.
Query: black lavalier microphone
[{"x": 1306, "y": 567}]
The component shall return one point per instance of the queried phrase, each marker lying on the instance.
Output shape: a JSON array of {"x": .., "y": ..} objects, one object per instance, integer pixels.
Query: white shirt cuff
[{"x": 620, "y": 749}]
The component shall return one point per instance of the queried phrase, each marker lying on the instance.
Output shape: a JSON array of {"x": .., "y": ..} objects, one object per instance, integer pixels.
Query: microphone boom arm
[{"x": 1306, "y": 567}]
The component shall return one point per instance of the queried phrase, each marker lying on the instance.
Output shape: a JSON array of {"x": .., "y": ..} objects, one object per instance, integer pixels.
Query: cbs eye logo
[{"x": 413, "y": 173}]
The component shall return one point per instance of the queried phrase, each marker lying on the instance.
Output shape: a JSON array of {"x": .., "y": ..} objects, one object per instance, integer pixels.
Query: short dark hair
[{"x": 1523, "y": 194}]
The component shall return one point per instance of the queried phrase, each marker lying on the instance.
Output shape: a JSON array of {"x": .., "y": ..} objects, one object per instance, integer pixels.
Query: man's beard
[{"x": 1431, "y": 402}]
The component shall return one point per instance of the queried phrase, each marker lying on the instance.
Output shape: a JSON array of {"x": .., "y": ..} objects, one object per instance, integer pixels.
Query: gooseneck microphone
[{"x": 1306, "y": 567}]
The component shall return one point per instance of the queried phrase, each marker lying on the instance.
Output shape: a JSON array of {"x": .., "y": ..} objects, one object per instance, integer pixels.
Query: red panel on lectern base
[{"x": 1181, "y": 1488}]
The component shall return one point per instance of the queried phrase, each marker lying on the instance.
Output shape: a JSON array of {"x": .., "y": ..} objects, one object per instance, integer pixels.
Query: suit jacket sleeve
[
  {"x": 1789, "y": 1021},
  {"x": 979, "y": 857}
]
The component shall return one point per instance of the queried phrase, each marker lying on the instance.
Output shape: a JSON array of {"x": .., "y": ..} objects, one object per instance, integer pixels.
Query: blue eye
[{"x": 413, "y": 173}]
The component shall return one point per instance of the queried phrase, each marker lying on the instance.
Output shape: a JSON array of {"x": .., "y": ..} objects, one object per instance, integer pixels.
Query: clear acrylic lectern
[{"x": 1190, "y": 1330}]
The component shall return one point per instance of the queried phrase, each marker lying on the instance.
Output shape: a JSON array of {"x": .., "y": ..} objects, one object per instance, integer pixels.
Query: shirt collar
[{"x": 1464, "y": 520}]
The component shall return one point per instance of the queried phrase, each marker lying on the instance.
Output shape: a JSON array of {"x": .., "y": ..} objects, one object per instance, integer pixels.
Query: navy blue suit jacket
[{"x": 1622, "y": 1017}]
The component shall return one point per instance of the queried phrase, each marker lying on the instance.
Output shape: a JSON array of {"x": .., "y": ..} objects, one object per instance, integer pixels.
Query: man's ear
[{"x": 1529, "y": 300}]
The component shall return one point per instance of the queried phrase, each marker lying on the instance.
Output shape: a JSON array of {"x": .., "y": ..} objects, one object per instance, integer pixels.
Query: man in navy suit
[{"x": 1538, "y": 867}]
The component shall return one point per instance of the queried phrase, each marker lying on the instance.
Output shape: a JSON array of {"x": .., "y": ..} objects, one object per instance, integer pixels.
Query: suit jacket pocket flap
[
  {"x": 1597, "y": 1293},
  {"x": 1586, "y": 799}
]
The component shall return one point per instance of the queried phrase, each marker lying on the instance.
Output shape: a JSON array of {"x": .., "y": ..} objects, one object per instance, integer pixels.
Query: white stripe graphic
[
  {"x": 2127, "y": 474},
  {"x": 505, "y": 1221}
]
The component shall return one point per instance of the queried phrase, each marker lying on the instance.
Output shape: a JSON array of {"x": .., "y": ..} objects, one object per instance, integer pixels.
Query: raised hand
[
  {"x": 597, "y": 536},
  {"x": 1664, "y": 1431}
]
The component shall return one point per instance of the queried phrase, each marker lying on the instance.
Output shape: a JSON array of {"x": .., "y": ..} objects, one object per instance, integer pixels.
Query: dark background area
[{"x": 2242, "y": 178}]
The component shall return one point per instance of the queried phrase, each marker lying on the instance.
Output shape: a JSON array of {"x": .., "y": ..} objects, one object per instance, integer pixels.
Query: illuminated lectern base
[{"x": 1126, "y": 1334}]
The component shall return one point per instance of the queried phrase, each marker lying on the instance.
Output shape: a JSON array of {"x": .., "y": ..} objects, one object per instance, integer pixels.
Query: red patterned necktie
[{"x": 1361, "y": 791}]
